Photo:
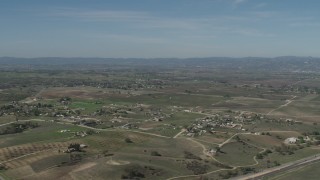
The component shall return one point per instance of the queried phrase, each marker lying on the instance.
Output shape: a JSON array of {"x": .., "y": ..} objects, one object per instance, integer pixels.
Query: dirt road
[{"x": 284, "y": 105}]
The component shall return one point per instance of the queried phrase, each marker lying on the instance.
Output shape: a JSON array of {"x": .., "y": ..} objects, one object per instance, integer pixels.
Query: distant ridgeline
[{"x": 283, "y": 64}]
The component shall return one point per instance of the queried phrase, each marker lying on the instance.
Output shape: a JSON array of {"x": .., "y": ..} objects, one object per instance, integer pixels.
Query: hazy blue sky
[{"x": 159, "y": 28}]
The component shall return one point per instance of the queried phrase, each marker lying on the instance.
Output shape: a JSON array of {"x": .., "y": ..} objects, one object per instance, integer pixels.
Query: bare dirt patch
[
  {"x": 117, "y": 163},
  {"x": 84, "y": 166},
  {"x": 149, "y": 125},
  {"x": 20, "y": 172}
]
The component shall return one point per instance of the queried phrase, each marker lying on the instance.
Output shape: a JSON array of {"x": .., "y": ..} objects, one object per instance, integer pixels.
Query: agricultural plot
[
  {"x": 161, "y": 100},
  {"x": 46, "y": 132},
  {"x": 215, "y": 138},
  {"x": 314, "y": 82},
  {"x": 54, "y": 160},
  {"x": 183, "y": 118},
  {"x": 86, "y": 106},
  {"x": 258, "y": 105},
  {"x": 282, "y": 125},
  {"x": 38, "y": 161},
  {"x": 114, "y": 140},
  {"x": 300, "y": 109},
  {"x": 261, "y": 140},
  {"x": 12, "y": 152},
  {"x": 76, "y": 93}
]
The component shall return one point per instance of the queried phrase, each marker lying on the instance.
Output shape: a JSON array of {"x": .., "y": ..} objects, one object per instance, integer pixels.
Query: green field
[
  {"x": 87, "y": 106},
  {"x": 238, "y": 154}
]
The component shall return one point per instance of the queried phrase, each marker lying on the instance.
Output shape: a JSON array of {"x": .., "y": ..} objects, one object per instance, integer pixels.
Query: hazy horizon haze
[{"x": 159, "y": 28}]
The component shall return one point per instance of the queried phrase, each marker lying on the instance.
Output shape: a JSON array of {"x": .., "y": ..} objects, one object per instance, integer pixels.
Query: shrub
[
  {"x": 155, "y": 153},
  {"x": 128, "y": 140}
]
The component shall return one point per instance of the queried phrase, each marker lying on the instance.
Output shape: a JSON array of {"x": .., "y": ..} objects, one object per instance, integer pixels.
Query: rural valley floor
[{"x": 146, "y": 122}]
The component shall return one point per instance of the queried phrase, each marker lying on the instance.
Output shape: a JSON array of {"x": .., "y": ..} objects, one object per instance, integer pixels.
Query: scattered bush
[
  {"x": 197, "y": 167},
  {"x": 134, "y": 172},
  {"x": 189, "y": 155},
  {"x": 128, "y": 140},
  {"x": 155, "y": 153}
]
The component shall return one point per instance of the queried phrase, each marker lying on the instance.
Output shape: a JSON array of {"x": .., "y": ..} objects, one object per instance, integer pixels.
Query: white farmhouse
[{"x": 291, "y": 140}]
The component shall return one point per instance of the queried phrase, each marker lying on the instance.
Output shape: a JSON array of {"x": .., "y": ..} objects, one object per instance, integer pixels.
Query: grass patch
[
  {"x": 237, "y": 154},
  {"x": 183, "y": 118},
  {"x": 49, "y": 162},
  {"x": 310, "y": 172},
  {"x": 88, "y": 106},
  {"x": 299, "y": 154}
]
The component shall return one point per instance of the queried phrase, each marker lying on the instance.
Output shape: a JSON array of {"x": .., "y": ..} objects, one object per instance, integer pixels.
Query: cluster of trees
[
  {"x": 315, "y": 134},
  {"x": 246, "y": 170},
  {"x": 75, "y": 147},
  {"x": 18, "y": 127},
  {"x": 289, "y": 150},
  {"x": 263, "y": 154},
  {"x": 140, "y": 172},
  {"x": 239, "y": 171},
  {"x": 197, "y": 167},
  {"x": 228, "y": 174},
  {"x": 26, "y": 109},
  {"x": 135, "y": 172}
]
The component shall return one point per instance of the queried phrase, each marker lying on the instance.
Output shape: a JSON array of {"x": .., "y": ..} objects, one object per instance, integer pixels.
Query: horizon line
[{"x": 204, "y": 57}]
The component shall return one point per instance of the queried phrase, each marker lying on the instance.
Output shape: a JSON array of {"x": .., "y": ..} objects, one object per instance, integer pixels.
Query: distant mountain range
[{"x": 284, "y": 63}]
